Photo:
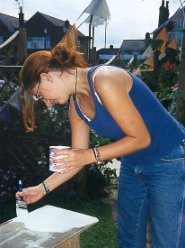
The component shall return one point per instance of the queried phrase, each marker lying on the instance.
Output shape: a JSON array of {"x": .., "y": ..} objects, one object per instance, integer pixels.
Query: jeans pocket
[{"x": 176, "y": 154}]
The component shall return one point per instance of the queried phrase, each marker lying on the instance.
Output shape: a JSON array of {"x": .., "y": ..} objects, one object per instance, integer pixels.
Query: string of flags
[{"x": 163, "y": 42}]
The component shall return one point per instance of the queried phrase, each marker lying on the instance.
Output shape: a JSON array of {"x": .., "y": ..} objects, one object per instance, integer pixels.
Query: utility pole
[
  {"x": 90, "y": 40},
  {"x": 22, "y": 44},
  {"x": 180, "y": 109}
]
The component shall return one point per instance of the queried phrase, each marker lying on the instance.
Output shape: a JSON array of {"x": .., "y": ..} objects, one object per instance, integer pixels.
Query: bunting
[
  {"x": 131, "y": 60},
  {"x": 149, "y": 61},
  {"x": 162, "y": 35},
  {"x": 148, "y": 52},
  {"x": 162, "y": 47},
  {"x": 173, "y": 44},
  {"x": 137, "y": 72},
  {"x": 162, "y": 55}
]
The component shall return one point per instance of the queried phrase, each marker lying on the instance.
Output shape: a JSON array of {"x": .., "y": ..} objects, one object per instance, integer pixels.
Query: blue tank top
[{"x": 165, "y": 131}]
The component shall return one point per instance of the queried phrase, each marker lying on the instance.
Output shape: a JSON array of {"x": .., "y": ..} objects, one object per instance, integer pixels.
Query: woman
[{"x": 149, "y": 140}]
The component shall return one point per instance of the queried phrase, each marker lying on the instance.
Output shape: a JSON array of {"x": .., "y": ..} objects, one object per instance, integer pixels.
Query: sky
[{"x": 130, "y": 19}]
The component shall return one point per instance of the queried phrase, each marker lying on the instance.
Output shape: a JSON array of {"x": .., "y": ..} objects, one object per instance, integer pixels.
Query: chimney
[
  {"x": 21, "y": 18},
  {"x": 163, "y": 13},
  {"x": 66, "y": 25},
  {"x": 167, "y": 5}
]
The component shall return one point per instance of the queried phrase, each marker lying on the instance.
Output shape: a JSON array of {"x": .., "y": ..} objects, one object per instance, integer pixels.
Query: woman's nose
[{"x": 47, "y": 102}]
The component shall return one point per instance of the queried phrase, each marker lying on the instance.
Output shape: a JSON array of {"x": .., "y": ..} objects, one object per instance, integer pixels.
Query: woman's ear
[{"x": 46, "y": 77}]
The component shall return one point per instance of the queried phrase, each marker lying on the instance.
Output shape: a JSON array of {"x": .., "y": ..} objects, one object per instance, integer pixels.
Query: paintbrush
[{"x": 21, "y": 205}]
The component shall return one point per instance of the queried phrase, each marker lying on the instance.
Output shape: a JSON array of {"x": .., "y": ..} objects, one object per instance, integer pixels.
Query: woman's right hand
[{"x": 31, "y": 194}]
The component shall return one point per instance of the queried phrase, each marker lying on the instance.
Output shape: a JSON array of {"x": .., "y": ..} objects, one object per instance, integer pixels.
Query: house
[
  {"x": 42, "y": 31},
  {"x": 173, "y": 24},
  {"x": 132, "y": 48},
  {"x": 105, "y": 54},
  {"x": 8, "y": 25}
]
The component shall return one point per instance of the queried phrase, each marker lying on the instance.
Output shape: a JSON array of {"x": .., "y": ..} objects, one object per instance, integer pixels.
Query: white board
[{"x": 54, "y": 219}]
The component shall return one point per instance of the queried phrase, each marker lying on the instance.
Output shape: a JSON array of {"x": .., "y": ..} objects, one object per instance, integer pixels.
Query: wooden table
[{"x": 46, "y": 227}]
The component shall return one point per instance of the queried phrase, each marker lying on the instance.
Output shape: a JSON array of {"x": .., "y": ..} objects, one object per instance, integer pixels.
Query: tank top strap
[
  {"x": 94, "y": 95},
  {"x": 89, "y": 76},
  {"x": 78, "y": 110}
]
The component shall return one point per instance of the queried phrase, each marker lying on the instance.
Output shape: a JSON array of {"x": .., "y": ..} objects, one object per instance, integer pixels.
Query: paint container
[{"x": 51, "y": 153}]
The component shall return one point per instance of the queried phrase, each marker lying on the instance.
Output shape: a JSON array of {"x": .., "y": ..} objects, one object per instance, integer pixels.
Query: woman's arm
[
  {"x": 80, "y": 142},
  {"x": 113, "y": 90}
]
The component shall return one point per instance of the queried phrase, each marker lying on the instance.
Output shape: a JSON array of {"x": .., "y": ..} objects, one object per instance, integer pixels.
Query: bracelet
[
  {"x": 96, "y": 155},
  {"x": 46, "y": 187}
]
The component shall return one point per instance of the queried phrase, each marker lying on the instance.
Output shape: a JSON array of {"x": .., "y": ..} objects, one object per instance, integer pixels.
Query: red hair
[{"x": 59, "y": 58}]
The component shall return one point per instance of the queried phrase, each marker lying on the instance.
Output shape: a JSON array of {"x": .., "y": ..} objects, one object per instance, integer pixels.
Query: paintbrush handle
[{"x": 20, "y": 186}]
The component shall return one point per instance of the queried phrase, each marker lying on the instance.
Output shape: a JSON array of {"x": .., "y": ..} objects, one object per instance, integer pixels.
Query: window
[
  {"x": 39, "y": 42},
  {"x": 1, "y": 39}
]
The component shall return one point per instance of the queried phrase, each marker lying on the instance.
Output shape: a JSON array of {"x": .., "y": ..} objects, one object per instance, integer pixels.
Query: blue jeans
[{"x": 155, "y": 192}]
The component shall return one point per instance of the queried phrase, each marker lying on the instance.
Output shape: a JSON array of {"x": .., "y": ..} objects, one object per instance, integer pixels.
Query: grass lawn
[{"x": 101, "y": 235}]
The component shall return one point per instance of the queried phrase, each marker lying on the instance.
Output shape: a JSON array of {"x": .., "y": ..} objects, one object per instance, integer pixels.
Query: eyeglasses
[{"x": 36, "y": 96}]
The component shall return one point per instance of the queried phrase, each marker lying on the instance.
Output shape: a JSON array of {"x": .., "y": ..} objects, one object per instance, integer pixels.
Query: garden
[{"x": 24, "y": 155}]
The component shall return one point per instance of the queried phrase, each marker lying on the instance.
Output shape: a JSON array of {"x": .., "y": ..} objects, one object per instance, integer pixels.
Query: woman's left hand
[{"x": 74, "y": 158}]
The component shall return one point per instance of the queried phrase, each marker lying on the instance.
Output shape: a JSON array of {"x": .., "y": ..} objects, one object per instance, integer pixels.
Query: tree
[{"x": 180, "y": 110}]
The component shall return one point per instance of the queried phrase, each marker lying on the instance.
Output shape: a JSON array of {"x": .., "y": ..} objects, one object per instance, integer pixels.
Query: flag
[
  {"x": 162, "y": 55},
  {"x": 99, "y": 11},
  {"x": 173, "y": 44},
  {"x": 70, "y": 38},
  {"x": 111, "y": 59},
  {"x": 162, "y": 35},
  {"x": 137, "y": 72},
  {"x": 148, "y": 52},
  {"x": 162, "y": 47},
  {"x": 149, "y": 61},
  {"x": 131, "y": 60}
]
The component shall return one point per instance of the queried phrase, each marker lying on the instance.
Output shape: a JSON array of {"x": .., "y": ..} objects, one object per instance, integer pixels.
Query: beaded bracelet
[
  {"x": 46, "y": 187},
  {"x": 96, "y": 155}
]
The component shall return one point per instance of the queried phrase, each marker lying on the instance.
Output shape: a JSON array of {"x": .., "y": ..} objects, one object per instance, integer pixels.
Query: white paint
[
  {"x": 51, "y": 164},
  {"x": 55, "y": 220},
  {"x": 21, "y": 212},
  {"x": 21, "y": 208},
  {"x": 38, "y": 243}
]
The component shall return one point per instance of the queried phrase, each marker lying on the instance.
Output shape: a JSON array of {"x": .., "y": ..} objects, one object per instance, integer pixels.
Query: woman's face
[{"x": 53, "y": 88}]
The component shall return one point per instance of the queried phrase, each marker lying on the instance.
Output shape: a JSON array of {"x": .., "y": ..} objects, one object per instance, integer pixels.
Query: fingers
[
  {"x": 29, "y": 199},
  {"x": 59, "y": 152},
  {"x": 31, "y": 194}
]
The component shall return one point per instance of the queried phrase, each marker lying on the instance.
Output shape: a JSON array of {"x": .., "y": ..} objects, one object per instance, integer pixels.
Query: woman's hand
[
  {"x": 74, "y": 158},
  {"x": 31, "y": 194}
]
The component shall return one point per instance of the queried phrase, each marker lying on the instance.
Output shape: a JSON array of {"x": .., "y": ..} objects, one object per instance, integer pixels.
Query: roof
[
  {"x": 176, "y": 19},
  {"x": 55, "y": 21},
  {"x": 108, "y": 50},
  {"x": 133, "y": 45},
  {"x": 10, "y": 22}
]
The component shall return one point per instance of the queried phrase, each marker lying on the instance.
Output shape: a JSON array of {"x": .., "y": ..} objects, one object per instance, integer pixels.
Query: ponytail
[
  {"x": 59, "y": 58},
  {"x": 67, "y": 57}
]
